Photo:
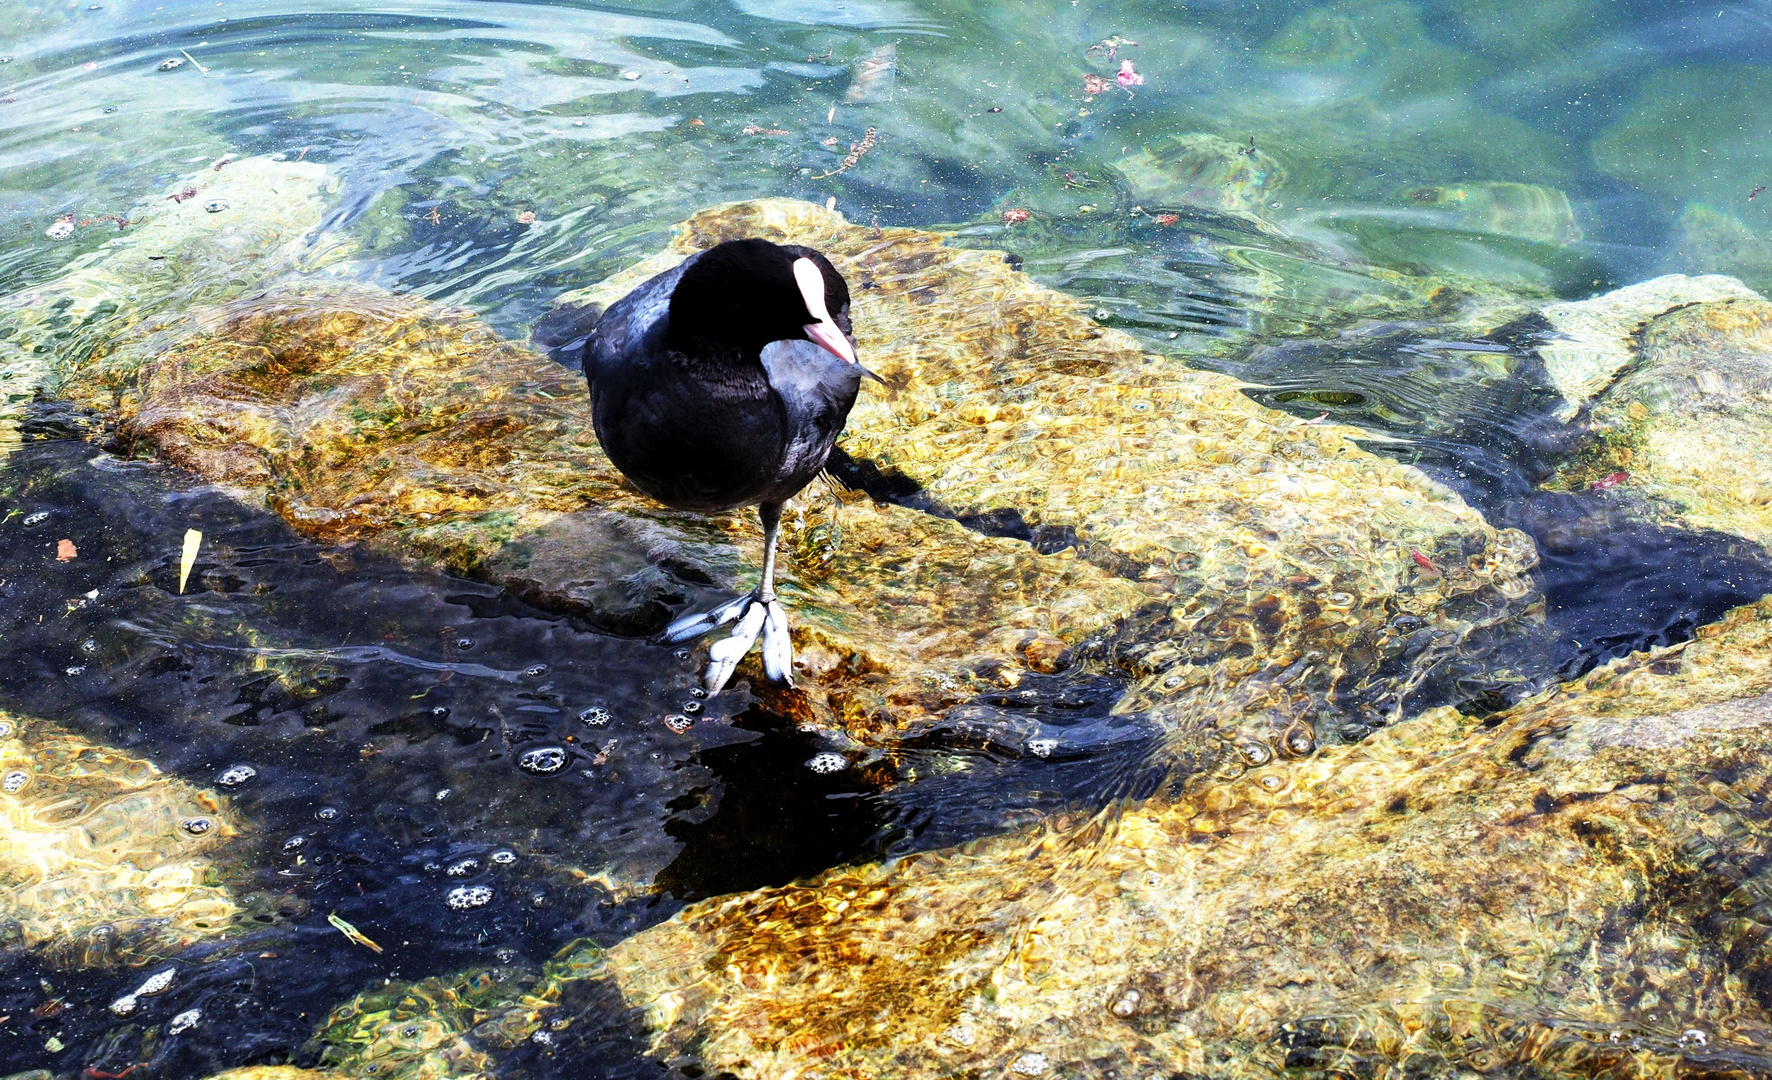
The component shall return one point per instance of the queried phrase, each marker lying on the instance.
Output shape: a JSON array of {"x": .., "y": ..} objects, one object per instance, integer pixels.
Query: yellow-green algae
[
  {"x": 1208, "y": 538},
  {"x": 1683, "y": 429},
  {"x": 1594, "y": 339},
  {"x": 1256, "y": 539},
  {"x": 104, "y": 860},
  {"x": 1575, "y": 888},
  {"x": 1574, "y": 891},
  {"x": 174, "y": 252}
]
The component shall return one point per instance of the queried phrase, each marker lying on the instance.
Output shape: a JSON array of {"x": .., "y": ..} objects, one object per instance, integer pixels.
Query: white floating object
[{"x": 193, "y": 540}]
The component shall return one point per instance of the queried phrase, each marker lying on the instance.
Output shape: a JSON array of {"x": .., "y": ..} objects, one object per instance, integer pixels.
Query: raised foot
[{"x": 754, "y": 616}]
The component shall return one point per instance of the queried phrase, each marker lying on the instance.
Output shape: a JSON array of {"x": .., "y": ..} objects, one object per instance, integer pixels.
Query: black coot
[{"x": 723, "y": 383}]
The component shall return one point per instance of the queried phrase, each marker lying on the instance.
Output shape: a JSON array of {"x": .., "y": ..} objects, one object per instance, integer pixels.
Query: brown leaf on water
[{"x": 65, "y": 551}]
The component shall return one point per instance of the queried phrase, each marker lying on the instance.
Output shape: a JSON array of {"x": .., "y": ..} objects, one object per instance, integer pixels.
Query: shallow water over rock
[{"x": 1296, "y": 608}]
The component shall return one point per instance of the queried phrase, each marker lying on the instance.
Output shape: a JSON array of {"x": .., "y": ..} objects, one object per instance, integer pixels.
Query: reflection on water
[{"x": 1354, "y": 208}]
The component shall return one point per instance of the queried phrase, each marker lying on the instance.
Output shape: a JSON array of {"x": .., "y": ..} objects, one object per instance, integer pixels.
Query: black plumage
[{"x": 722, "y": 383}]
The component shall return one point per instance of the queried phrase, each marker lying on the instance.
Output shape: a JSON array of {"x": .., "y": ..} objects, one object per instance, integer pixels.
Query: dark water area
[{"x": 411, "y": 735}]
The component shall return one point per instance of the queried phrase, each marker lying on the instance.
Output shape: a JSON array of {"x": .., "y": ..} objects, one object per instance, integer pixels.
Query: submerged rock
[
  {"x": 1066, "y": 485},
  {"x": 104, "y": 860},
  {"x": 1683, "y": 431},
  {"x": 1570, "y": 891},
  {"x": 1202, "y": 170},
  {"x": 1527, "y": 211},
  {"x": 1593, "y": 337},
  {"x": 1254, "y": 540},
  {"x": 173, "y": 254}
]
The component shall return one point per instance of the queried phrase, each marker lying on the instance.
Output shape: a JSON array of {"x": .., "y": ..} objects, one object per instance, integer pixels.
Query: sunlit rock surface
[
  {"x": 1593, "y": 337},
  {"x": 1683, "y": 431},
  {"x": 205, "y": 238},
  {"x": 1576, "y": 890},
  {"x": 1191, "y": 537},
  {"x": 104, "y": 860},
  {"x": 1255, "y": 540}
]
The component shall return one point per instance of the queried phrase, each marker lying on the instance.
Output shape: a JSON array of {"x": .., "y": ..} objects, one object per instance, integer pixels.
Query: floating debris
[
  {"x": 65, "y": 551},
  {"x": 1096, "y": 84},
  {"x": 181, "y": 195},
  {"x": 188, "y": 558},
  {"x": 875, "y": 78},
  {"x": 1110, "y": 46},
  {"x": 1611, "y": 480},
  {"x": 753, "y": 129},
  {"x": 1128, "y": 78},
  {"x": 527, "y": 217},
  {"x": 856, "y": 152},
  {"x": 1166, "y": 220},
  {"x": 62, "y": 229},
  {"x": 351, "y": 932}
]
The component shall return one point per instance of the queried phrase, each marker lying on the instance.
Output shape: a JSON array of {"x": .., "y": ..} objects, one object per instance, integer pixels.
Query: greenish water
[{"x": 1282, "y": 172}]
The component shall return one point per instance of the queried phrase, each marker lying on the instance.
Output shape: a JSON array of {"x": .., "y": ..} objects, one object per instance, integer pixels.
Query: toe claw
[
  {"x": 690, "y": 627},
  {"x": 724, "y": 655},
  {"x": 778, "y": 647}
]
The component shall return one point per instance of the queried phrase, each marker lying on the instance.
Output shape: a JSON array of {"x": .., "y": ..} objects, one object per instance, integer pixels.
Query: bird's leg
[
  {"x": 778, "y": 647},
  {"x": 758, "y": 613}
]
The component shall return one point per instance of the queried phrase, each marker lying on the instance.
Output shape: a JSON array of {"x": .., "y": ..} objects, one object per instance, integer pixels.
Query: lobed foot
[{"x": 755, "y": 616}]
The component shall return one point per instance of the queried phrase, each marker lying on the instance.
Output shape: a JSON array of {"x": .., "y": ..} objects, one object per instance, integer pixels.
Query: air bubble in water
[
  {"x": 697, "y": 692},
  {"x": 1127, "y": 1004},
  {"x": 1301, "y": 741},
  {"x": 537, "y": 671},
  {"x": 235, "y": 775},
  {"x": 542, "y": 760},
  {"x": 463, "y": 868},
  {"x": 1042, "y": 747},
  {"x": 155, "y": 983},
  {"x": 691, "y": 707},
  {"x": 1256, "y": 753},
  {"x": 197, "y": 826},
  {"x": 37, "y": 518},
  {"x": 468, "y": 897},
  {"x": 1029, "y": 1065},
  {"x": 76, "y": 672},
  {"x": 294, "y": 843},
  {"x": 678, "y": 723},
  {"x": 827, "y": 762},
  {"x": 464, "y": 643},
  {"x": 184, "y": 1021},
  {"x": 327, "y": 813},
  {"x": 215, "y": 206},
  {"x": 595, "y": 716},
  {"x": 6, "y": 729},
  {"x": 124, "y": 1005},
  {"x": 14, "y": 780},
  {"x": 503, "y": 857}
]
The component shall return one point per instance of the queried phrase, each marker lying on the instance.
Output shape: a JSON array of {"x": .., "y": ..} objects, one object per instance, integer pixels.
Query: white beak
[{"x": 823, "y": 331}]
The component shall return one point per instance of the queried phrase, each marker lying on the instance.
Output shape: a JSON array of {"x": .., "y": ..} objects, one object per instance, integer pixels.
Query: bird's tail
[{"x": 562, "y": 332}]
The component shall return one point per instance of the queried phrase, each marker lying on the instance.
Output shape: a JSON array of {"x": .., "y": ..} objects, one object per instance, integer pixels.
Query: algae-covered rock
[
  {"x": 1575, "y": 890},
  {"x": 104, "y": 860},
  {"x": 1593, "y": 337},
  {"x": 1202, "y": 170},
  {"x": 208, "y": 237},
  {"x": 1202, "y": 537},
  {"x": 1255, "y": 540},
  {"x": 1683, "y": 431},
  {"x": 1527, "y": 211}
]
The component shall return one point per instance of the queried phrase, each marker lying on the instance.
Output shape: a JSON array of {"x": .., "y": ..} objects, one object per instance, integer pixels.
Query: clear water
[{"x": 1631, "y": 127}]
